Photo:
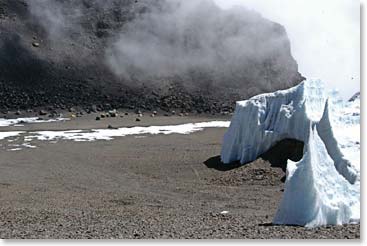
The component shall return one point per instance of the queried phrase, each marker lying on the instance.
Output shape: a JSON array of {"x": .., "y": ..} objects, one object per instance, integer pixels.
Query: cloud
[
  {"x": 233, "y": 48},
  {"x": 325, "y": 37}
]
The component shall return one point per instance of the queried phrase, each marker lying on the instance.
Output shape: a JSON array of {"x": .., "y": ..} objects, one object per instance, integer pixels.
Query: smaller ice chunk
[{"x": 315, "y": 192}]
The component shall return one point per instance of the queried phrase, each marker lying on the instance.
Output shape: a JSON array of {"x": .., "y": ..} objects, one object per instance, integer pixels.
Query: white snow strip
[
  {"x": 14, "y": 149},
  {"x": 4, "y": 135},
  {"x": 109, "y": 134},
  {"x": 22, "y": 121},
  {"x": 28, "y": 146}
]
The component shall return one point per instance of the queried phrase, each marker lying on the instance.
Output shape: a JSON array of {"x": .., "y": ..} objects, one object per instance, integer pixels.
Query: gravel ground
[{"x": 163, "y": 186}]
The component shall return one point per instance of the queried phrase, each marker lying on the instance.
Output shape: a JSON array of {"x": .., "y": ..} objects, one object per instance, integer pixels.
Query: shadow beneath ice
[
  {"x": 277, "y": 156},
  {"x": 284, "y": 150},
  {"x": 216, "y": 163},
  {"x": 271, "y": 224}
]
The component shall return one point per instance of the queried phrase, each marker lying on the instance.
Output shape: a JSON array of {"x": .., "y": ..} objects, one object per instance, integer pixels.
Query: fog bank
[{"x": 325, "y": 37}]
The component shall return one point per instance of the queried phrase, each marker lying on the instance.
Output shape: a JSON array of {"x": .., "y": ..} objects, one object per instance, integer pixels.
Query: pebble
[{"x": 111, "y": 127}]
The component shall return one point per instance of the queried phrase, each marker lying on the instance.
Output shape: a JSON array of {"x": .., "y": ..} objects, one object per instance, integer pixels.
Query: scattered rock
[
  {"x": 94, "y": 108},
  {"x": 112, "y": 113},
  {"x": 42, "y": 112},
  {"x": 36, "y": 44}
]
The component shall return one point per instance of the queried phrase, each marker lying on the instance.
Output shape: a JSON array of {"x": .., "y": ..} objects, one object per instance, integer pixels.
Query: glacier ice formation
[{"x": 323, "y": 188}]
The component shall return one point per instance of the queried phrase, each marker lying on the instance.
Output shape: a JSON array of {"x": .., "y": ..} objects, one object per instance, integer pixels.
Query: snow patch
[
  {"x": 22, "y": 121},
  {"x": 109, "y": 134},
  {"x": 104, "y": 134},
  {"x": 4, "y": 135}
]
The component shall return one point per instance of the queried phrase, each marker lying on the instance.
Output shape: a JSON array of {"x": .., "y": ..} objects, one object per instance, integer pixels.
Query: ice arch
[{"x": 323, "y": 187}]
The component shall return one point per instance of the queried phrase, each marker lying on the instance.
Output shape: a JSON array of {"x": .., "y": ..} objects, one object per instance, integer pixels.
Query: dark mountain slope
[{"x": 138, "y": 54}]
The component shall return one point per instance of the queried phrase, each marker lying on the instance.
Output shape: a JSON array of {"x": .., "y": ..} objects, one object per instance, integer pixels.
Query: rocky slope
[{"x": 62, "y": 53}]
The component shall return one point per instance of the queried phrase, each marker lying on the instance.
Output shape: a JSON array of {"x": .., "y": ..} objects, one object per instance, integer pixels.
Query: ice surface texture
[{"x": 324, "y": 186}]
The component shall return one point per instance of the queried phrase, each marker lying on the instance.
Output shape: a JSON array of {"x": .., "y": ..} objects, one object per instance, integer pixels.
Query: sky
[{"x": 324, "y": 35}]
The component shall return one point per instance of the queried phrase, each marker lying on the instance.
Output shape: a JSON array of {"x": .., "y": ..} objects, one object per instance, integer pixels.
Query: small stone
[
  {"x": 113, "y": 113},
  {"x": 137, "y": 119},
  {"x": 36, "y": 44},
  {"x": 140, "y": 115},
  {"x": 103, "y": 116},
  {"x": 126, "y": 113},
  {"x": 42, "y": 112},
  {"x": 94, "y": 109},
  {"x": 98, "y": 118},
  {"x": 17, "y": 112}
]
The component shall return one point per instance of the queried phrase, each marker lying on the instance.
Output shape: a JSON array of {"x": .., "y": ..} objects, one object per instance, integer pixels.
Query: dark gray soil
[{"x": 163, "y": 186}]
